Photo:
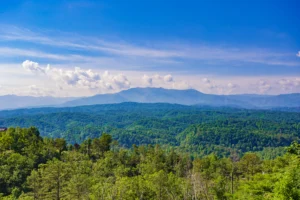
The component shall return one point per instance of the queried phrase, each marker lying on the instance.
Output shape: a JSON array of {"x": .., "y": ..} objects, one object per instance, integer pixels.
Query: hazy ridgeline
[{"x": 158, "y": 95}]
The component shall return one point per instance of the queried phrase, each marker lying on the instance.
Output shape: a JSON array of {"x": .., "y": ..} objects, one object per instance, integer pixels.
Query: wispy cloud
[
  {"x": 164, "y": 54},
  {"x": 13, "y": 52},
  {"x": 298, "y": 54},
  {"x": 68, "y": 40},
  {"x": 74, "y": 59}
]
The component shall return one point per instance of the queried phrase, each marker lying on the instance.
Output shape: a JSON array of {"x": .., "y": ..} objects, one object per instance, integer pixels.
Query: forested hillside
[
  {"x": 196, "y": 130},
  {"x": 32, "y": 167}
]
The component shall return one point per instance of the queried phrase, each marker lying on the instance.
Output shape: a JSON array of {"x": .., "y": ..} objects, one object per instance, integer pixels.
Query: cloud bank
[
  {"x": 77, "y": 77},
  {"x": 78, "y": 82}
]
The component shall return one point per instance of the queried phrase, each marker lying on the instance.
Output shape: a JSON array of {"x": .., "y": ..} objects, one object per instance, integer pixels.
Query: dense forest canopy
[
  {"x": 33, "y": 167},
  {"x": 149, "y": 151},
  {"x": 193, "y": 129}
]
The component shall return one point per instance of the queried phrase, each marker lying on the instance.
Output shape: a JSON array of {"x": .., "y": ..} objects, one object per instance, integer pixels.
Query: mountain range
[{"x": 157, "y": 95}]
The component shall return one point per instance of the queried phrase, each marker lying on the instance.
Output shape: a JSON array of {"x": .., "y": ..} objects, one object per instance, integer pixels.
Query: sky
[{"x": 71, "y": 48}]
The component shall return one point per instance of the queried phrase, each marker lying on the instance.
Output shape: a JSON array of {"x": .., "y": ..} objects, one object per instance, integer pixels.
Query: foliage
[
  {"x": 33, "y": 167},
  {"x": 199, "y": 131}
]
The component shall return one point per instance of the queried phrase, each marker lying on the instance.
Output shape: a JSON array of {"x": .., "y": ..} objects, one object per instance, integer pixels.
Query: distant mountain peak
[
  {"x": 189, "y": 97},
  {"x": 157, "y": 95}
]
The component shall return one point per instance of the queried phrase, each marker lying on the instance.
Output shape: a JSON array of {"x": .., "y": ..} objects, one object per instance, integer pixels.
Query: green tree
[
  {"x": 55, "y": 175},
  {"x": 250, "y": 164}
]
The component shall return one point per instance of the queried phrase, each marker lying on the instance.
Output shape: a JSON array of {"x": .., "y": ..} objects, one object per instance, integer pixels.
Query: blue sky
[{"x": 81, "y": 48}]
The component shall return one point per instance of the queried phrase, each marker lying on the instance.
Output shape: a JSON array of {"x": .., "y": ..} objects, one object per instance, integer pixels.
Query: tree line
[{"x": 33, "y": 167}]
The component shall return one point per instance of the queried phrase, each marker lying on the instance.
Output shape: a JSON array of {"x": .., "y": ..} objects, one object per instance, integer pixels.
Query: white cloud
[
  {"x": 147, "y": 80},
  {"x": 297, "y": 82},
  {"x": 263, "y": 87},
  {"x": 117, "y": 82},
  {"x": 205, "y": 80},
  {"x": 181, "y": 85},
  {"x": 166, "y": 81},
  {"x": 32, "y": 67},
  {"x": 76, "y": 77},
  {"x": 231, "y": 87},
  {"x": 298, "y": 54},
  {"x": 285, "y": 83},
  {"x": 168, "y": 78},
  {"x": 289, "y": 84},
  {"x": 80, "y": 78},
  {"x": 209, "y": 84}
]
